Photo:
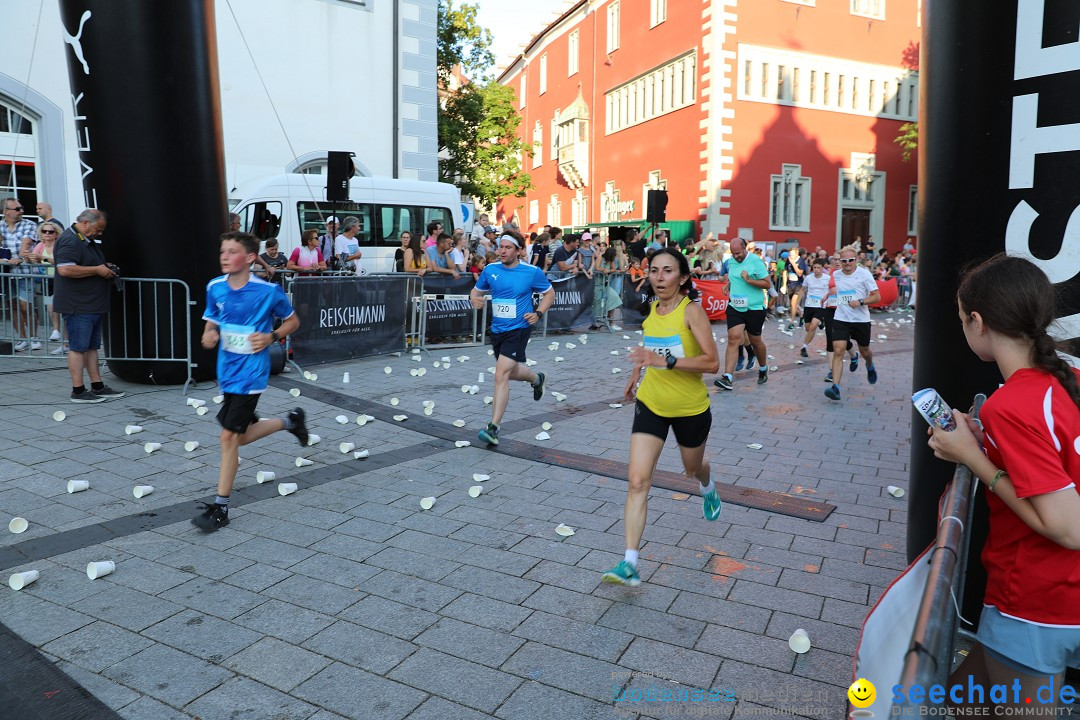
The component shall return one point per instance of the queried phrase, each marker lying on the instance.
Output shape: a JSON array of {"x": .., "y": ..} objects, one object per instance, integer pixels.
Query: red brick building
[{"x": 770, "y": 119}]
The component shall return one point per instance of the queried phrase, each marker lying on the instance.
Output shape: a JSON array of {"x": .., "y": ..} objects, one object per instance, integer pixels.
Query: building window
[
  {"x": 655, "y": 183},
  {"x": 554, "y": 211},
  {"x": 521, "y": 97},
  {"x": 555, "y": 136},
  {"x": 534, "y": 212},
  {"x": 609, "y": 201},
  {"x": 840, "y": 91},
  {"x": 537, "y": 145},
  {"x": 748, "y": 86},
  {"x": 579, "y": 209},
  {"x": 795, "y": 85},
  {"x": 764, "y": 80},
  {"x": 869, "y": 8},
  {"x": 813, "y": 87},
  {"x": 613, "y": 26},
  {"x": 913, "y": 211},
  {"x": 659, "y": 91},
  {"x": 543, "y": 73},
  {"x": 854, "y": 93},
  {"x": 825, "y": 89},
  {"x": 781, "y": 71},
  {"x": 789, "y": 200},
  {"x": 657, "y": 12},
  {"x": 572, "y": 49}
]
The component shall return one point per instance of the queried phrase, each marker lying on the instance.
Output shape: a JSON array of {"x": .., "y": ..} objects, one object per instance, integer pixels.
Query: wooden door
[{"x": 854, "y": 223}]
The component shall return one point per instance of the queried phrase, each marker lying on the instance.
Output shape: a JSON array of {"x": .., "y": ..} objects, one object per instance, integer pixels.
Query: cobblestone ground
[{"x": 347, "y": 600}]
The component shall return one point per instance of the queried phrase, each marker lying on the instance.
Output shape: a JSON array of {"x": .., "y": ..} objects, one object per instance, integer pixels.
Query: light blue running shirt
[
  {"x": 511, "y": 293},
  {"x": 745, "y": 296},
  {"x": 238, "y": 314}
]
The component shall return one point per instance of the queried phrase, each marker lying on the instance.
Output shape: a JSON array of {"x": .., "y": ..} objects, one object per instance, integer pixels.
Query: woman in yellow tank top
[{"x": 678, "y": 348}]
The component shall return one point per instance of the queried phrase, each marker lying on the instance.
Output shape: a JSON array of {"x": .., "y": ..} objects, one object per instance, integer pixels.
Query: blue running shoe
[
  {"x": 833, "y": 393},
  {"x": 490, "y": 434},
  {"x": 750, "y": 361},
  {"x": 742, "y": 363},
  {"x": 829, "y": 378},
  {"x": 711, "y": 505},
  {"x": 854, "y": 365},
  {"x": 871, "y": 374},
  {"x": 622, "y": 574}
]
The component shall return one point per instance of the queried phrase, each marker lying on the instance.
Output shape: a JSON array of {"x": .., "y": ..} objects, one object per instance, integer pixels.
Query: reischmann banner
[{"x": 348, "y": 317}]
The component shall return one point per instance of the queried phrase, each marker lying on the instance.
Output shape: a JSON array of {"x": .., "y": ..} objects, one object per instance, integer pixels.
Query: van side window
[
  {"x": 261, "y": 218},
  {"x": 396, "y": 219},
  {"x": 313, "y": 216}
]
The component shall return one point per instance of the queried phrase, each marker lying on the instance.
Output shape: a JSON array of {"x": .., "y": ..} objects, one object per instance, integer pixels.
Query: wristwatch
[
  {"x": 274, "y": 336},
  {"x": 671, "y": 360},
  {"x": 862, "y": 301},
  {"x": 539, "y": 314}
]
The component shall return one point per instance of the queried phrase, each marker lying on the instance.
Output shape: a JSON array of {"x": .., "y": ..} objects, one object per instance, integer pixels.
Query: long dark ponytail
[
  {"x": 686, "y": 288},
  {"x": 1015, "y": 298}
]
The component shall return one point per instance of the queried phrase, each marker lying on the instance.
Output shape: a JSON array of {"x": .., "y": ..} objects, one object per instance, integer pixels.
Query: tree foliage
[
  {"x": 480, "y": 151},
  {"x": 462, "y": 41},
  {"x": 478, "y": 130},
  {"x": 908, "y": 140}
]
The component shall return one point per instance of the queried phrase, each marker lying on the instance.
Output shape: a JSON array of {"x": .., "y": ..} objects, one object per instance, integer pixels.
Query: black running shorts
[
  {"x": 754, "y": 320},
  {"x": 511, "y": 343},
  {"x": 690, "y": 432},
  {"x": 859, "y": 333},
  {"x": 237, "y": 412}
]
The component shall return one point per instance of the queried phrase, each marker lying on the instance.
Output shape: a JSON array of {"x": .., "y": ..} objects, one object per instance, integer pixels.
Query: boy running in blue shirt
[
  {"x": 240, "y": 313},
  {"x": 511, "y": 284}
]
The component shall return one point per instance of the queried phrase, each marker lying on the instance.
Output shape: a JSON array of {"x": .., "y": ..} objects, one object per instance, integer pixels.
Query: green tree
[
  {"x": 478, "y": 129},
  {"x": 908, "y": 140},
  {"x": 461, "y": 41},
  {"x": 480, "y": 151}
]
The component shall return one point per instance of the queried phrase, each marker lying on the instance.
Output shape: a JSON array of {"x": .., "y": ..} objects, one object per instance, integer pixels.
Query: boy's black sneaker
[
  {"x": 299, "y": 425},
  {"x": 538, "y": 388},
  {"x": 86, "y": 396},
  {"x": 212, "y": 517},
  {"x": 803, "y": 353},
  {"x": 107, "y": 392}
]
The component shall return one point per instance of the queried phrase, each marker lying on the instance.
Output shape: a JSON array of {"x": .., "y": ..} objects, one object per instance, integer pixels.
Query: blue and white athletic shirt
[
  {"x": 238, "y": 314},
  {"x": 511, "y": 293}
]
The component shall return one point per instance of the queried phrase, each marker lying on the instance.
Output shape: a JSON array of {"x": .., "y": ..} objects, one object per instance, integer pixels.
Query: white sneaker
[
  {"x": 35, "y": 344},
  {"x": 55, "y": 336},
  {"x": 59, "y": 351},
  {"x": 21, "y": 345},
  {"x": 615, "y": 327}
]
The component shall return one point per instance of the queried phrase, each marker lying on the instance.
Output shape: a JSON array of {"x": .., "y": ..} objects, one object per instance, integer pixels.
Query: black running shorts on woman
[{"x": 690, "y": 432}]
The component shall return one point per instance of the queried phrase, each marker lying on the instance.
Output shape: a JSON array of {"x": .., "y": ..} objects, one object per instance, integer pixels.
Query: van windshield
[{"x": 380, "y": 225}]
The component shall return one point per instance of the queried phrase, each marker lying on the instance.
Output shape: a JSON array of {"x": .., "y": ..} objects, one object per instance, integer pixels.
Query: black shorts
[
  {"x": 857, "y": 332},
  {"x": 754, "y": 320},
  {"x": 690, "y": 431},
  {"x": 813, "y": 313},
  {"x": 237, "y": 412},
  {"x": 511, "y": 343}
]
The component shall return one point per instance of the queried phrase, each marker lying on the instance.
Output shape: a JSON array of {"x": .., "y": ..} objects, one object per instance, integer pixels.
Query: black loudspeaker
[
  {"x": 277, "y": 358},
  {"x": 656, "y": 206},
  {"x": 339, "y": 170}
]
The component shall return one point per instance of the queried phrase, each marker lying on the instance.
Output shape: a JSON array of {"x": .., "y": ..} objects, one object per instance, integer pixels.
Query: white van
[{"x": 283, "y": 206}]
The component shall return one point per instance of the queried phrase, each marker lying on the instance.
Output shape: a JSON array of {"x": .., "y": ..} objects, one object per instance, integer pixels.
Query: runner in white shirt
[
  {"x": 855, "y": 290},
  {"x": 827, "y": 321},
  {"x": 816, "y": 285}
]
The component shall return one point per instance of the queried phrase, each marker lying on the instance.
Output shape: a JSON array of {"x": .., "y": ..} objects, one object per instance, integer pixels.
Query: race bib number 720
[{"x": 505, "y": 309}]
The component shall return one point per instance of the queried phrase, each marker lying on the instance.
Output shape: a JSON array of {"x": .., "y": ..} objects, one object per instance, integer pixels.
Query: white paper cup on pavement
[
  {"x": 302, "y": 462},
  {"x": 896, "y": 492},
  {"x": 342, "y": 419},
  {"x": 360, "y": 454},
  {"x": 19, "y": 580},
  {"x": 345, "y": 378},
  {"x": 799, "y": 641},
  {"x": 141, "y": 491},
  {"x": 313, "y": 439},
  {"x": 475, "y": 491},
  {"x": 195, "y": 403},
  {"x": 18, "y": 525},
  {"x": 218, "y": 399},
  {"x": 151, "y": 447},
  {"x": 99, "y": 569},
  {"x": 295, "y": 392},
  {"x": 75, "y": 486},
  {"x": 427, "y": 503},
  {"x": 346, "y": 447},
  {"x": 191, "y": 445},
  {"x": 132, "y": 429},
  {"x": 264, "y": 476},
  {"x": 59, "y": 416},
  {"x": 200, "y": 410},
  {"x": 286, "y": 488}
]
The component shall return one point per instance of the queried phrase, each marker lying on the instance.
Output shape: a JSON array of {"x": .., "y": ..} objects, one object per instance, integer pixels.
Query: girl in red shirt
[{"x": 1030, "y": 626}]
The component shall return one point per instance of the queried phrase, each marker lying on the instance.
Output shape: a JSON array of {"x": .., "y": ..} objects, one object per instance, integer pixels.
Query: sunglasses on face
[
  {"x": 848, "y": 260},
  {"x": 16, "y": 209},
  {"x": 48, "y": 232}
]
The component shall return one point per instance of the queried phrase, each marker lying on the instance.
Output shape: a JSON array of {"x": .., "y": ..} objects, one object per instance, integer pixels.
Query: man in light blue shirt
[{"x": 749, "y": 279}]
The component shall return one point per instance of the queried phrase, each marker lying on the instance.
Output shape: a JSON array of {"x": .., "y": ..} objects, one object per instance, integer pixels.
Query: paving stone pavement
[{"x": 346, "y": 600}]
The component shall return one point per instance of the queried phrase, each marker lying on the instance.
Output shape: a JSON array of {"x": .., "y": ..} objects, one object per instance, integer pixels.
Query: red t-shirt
[{"x": 1033, "y": 431}]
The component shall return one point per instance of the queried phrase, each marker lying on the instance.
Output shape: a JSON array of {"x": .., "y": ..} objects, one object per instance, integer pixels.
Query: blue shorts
[
  {"x": 1027, "y": 647},
  {"x": 84, "y": 331}
]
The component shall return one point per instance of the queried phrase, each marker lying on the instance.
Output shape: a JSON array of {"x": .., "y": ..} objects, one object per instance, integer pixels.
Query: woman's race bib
[
  {"x": 793, "y": 277},
  {"x": 665, "y": 346},
  {"x": 739, "y": 302},
  {"x": 813, "y": 301},
  {"x": 237, "y": 339},
  {"x": 505, "y": 309}
]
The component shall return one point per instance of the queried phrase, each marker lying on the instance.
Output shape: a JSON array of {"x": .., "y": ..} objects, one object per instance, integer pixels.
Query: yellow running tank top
[{"x": 672, "y": 393}]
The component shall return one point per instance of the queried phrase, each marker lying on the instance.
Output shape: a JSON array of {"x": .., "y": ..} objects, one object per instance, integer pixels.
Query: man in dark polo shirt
[{"x": 82, "y": 285}]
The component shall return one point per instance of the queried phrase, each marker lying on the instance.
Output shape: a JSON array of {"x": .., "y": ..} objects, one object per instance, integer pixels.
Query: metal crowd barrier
[
  {"x": 27, "y": 324},
  {"x": 929, "y": 656}
]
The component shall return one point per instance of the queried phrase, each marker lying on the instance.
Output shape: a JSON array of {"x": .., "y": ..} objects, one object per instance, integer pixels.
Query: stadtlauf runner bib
[
  {"x": 739, "y": 302},
  {"x": 813, "y": 301},
  {"x": 237, "y": 338},
  {"x": 502, "y": 308},
  {"x": 665, "y": 346}
]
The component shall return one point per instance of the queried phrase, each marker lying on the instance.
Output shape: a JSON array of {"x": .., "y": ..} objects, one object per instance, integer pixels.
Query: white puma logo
[{"x": 75, "y": 41}]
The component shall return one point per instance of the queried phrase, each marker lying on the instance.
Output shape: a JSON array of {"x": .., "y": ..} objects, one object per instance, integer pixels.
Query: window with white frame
[
  {"x": 521, "y": 97},
  {"x": 613, "y": 26},
  {"x": 543, "y": 73},
  {"x": 655, "y": 183},
  {"x": 534, "y": 212},
  {"x": 789, "y": 200},
  {"x": 572, "y": 53},
  {"x": 659, "y": 91},
  {"x": 609, "y": 203},
  {"x": 555, "y": 136},
  {"x": 913, "y": 211},
  {"x": 538, "y": 145},
  {"x": 657, "y": 12},
  {"x": 869, "y": 8},
  {"x": 554, "y": 211},
  {"x": 579, "y": 209}
]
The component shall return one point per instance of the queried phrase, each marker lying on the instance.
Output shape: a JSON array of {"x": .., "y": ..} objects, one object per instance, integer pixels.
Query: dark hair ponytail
[
  {"x": 686, "y": 288},
  {"x": 1016, "y": 299}
]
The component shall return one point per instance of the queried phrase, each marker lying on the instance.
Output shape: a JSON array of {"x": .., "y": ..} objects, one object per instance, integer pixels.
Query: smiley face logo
[{"x": 862, "y": 693}]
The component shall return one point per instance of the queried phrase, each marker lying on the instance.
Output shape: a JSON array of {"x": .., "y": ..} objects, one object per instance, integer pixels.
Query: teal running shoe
[
  {"x": 622, "y": 574},
  {"x": 490, "y": 434},
  {"x": 711, "y": 505}
]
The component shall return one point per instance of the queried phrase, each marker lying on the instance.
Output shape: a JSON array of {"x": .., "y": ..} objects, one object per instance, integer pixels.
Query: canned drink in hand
[{"x": 934, "y": 409}]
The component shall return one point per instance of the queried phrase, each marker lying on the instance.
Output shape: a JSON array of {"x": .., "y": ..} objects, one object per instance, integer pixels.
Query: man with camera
[{"x": 81, "y": 295}]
